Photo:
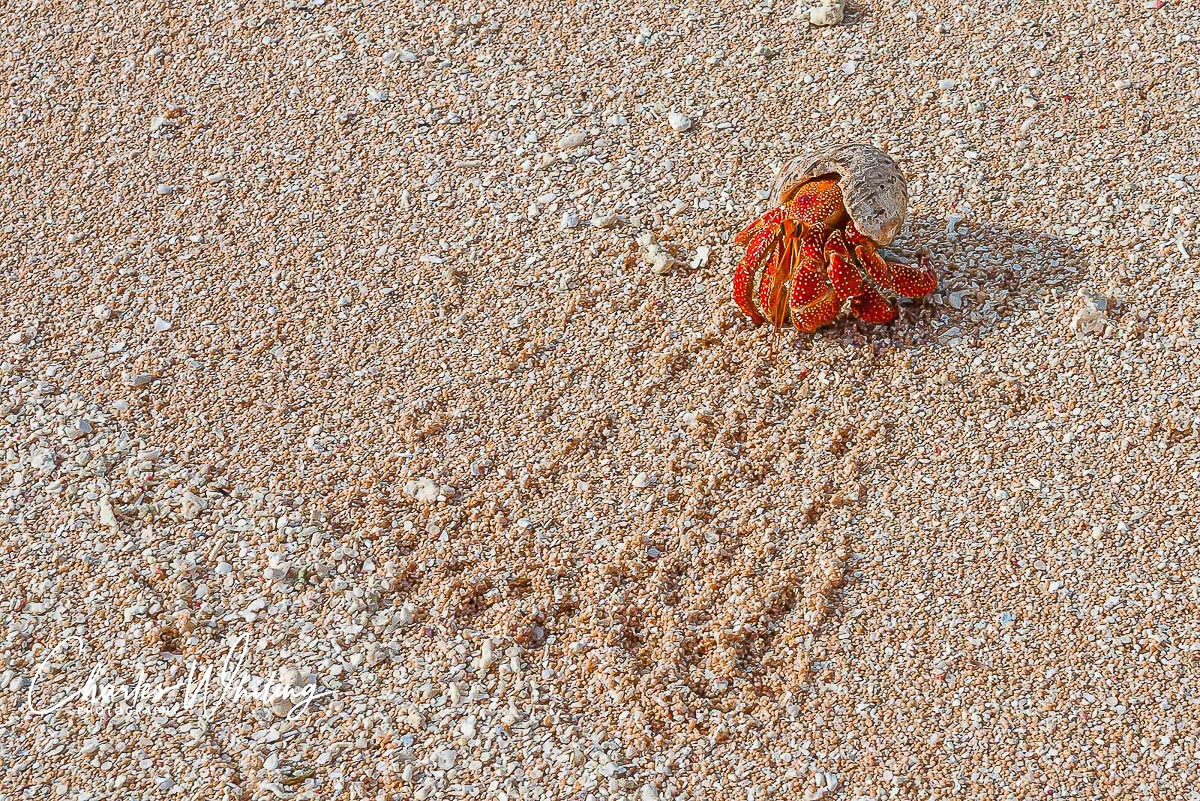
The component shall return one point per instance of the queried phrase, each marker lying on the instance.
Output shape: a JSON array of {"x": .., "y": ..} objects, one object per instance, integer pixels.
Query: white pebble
[
  {"x": 946, "y": 84},
  {"x": 607, "y": 221},
  {"x": 569, "y": 221},
  {"x": 43, "y": 459},
  {"x": 101, "y": 312},
  {"x": 105, "y": 514},
  {"x": 161, "y": 325},
  {"x": 679, "y": 122},
  {"x": 281, "y": 707},
  {"x": 829, "y": 12},
  {"x": 641, "y": 480},
  {"x": 849, "y": 67},
  {"x": 422, "y": 490},
  {"x": 274, "y": 788},
  {"x": 1090, "y": 314},
  {"x": 952, "y": 222},
  {"x": 572, "y": 140}
]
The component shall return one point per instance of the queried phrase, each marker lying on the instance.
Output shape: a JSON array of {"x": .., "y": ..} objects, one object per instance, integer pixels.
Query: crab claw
[{"x": 843, "y": 272}]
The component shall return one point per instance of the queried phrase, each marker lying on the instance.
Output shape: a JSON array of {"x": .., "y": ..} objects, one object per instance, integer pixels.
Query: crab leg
[
  {"x": 773, "y": 291},
  {"x": 818, "y": 312},
  {"x": 766, "y": 279},
  {"x": 872, "y": 307},
  {"x": 866, "y": 303},
  {"x": 813, "y": 301},
  {"x": 808, "y": 279},
  {"x": 903, "y": 279},
  {"x": 843, "y": 272},
  {"x": 771, "y": 217},
  {"x": 759, "y": 249}
]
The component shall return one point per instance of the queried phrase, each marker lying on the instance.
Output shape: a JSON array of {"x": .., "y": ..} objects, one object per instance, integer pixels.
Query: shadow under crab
[{"x": 989, "y": 276}]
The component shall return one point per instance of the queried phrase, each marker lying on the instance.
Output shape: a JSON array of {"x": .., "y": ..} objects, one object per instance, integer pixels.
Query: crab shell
[{"x": 873, "y": 188}]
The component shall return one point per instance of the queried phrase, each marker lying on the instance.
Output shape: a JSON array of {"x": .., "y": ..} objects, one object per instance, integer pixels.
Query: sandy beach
[{"x": 379, "y": 360}]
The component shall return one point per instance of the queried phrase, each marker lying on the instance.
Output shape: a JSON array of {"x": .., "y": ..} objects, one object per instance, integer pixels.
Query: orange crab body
[{"x": 806, "y": 262}]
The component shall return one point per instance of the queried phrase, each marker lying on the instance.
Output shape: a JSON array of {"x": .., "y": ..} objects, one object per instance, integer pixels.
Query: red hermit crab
[{"x": 814, "y": 253}]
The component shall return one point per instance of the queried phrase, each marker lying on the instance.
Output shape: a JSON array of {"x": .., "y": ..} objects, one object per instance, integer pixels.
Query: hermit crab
[{"x": 814, "y": 253}]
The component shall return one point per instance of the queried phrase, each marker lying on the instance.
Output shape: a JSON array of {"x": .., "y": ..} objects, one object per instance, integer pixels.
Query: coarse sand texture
[{"x": 393, "y": 342}]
